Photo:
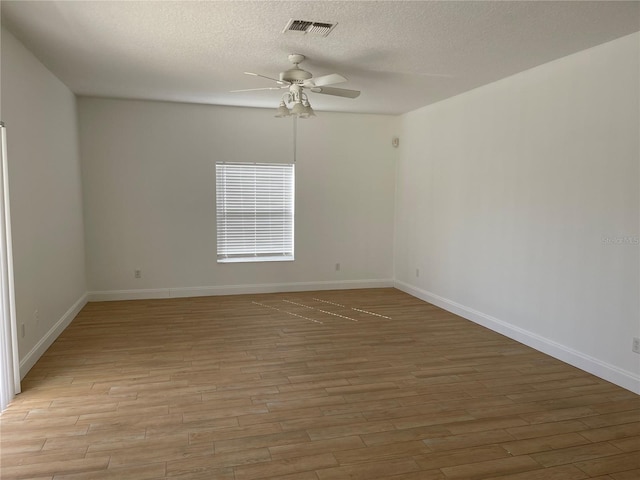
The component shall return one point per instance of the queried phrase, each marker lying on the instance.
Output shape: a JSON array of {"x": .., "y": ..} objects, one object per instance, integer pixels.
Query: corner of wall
[
  {"x": 606, "y": 371},
  {"x": 30, "y": 359}
]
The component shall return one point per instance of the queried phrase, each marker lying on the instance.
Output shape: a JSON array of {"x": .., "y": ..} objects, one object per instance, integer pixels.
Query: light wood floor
[{"x": 359, "y": 384}]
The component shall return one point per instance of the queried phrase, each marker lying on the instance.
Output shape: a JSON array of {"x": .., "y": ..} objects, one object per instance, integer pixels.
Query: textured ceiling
[{"x": 401, "y": 54}]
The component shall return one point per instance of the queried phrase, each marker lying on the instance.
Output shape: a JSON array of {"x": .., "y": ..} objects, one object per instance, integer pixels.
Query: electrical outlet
[
  {"x": 636, "y": 345},
  {"x": 137, "y": 273},
  {"x": 417, "y": 272},
  {"x": 337, "y": 267},
  {"x": 22, "y": 330},
  {"x": 36, "y": 316}
]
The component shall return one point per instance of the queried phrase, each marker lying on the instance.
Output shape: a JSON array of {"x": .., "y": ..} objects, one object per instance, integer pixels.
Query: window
[{"x": 254, "y": 212}]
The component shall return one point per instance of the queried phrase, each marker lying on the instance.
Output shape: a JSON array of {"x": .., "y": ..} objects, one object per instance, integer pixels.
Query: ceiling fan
[{"x": 296, "y": 80}]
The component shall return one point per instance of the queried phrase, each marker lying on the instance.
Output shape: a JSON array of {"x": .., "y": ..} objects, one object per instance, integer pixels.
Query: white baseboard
[
  {"x": 45, "y": 342},
  {"x": 110, "y": 295},
  {"x": 606, "y": 371}
]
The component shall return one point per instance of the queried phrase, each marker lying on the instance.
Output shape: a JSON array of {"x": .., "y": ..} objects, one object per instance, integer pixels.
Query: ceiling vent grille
[{"x": 304, "y": 27}]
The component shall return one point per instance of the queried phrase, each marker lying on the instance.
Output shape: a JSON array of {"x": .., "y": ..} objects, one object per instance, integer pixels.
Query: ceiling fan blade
[
  {"x": 255, "y": 89},
  {"x": 338, "y": 92},
  {"x": 279, "y": 82},
  {"x": 331, "y": 79}
]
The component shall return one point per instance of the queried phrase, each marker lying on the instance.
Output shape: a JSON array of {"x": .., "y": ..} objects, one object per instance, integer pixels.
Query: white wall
[
  {"x": 46, "y": 199},
  {"x": 519, "y": 203},
  {"x": 149, "y": 186}
]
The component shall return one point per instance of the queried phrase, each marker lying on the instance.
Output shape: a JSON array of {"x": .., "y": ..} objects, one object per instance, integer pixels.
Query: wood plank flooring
[{"x": 357, "y": 384}]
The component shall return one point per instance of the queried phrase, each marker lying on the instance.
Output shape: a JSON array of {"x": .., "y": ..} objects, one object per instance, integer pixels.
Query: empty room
[{"x": 320, "y": 240}]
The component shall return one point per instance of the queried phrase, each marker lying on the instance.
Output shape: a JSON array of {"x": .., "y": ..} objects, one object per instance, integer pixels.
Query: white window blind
[{"x": 254, "y": 211}]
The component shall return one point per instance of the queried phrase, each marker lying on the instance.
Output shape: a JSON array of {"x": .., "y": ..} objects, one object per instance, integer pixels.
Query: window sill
[{"x": 278, "y": 258}]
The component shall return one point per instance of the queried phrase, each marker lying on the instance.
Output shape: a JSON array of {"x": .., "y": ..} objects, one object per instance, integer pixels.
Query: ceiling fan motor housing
[{"x": 295, "y": 75}]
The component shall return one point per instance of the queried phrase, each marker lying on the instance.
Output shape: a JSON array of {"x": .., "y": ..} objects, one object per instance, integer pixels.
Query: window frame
[{"x": 277, "y": 202}]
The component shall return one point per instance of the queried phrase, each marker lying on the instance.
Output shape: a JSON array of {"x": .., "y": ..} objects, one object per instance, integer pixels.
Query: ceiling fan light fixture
[
  {"x": 298, "y": 108},
  {"x": 282, "y": 111},
  {"x": 308, "y": 111}
]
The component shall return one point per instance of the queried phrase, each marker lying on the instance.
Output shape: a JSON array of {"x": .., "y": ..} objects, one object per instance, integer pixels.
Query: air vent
[{"x": 304, "y": 27}]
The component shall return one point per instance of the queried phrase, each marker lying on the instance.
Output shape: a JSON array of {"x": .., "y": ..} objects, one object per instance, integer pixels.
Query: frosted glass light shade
[
  {"x": 298, "y": 109},
  {"x": 308, "y": 111},
  {"x": 282, "y": 111}
]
